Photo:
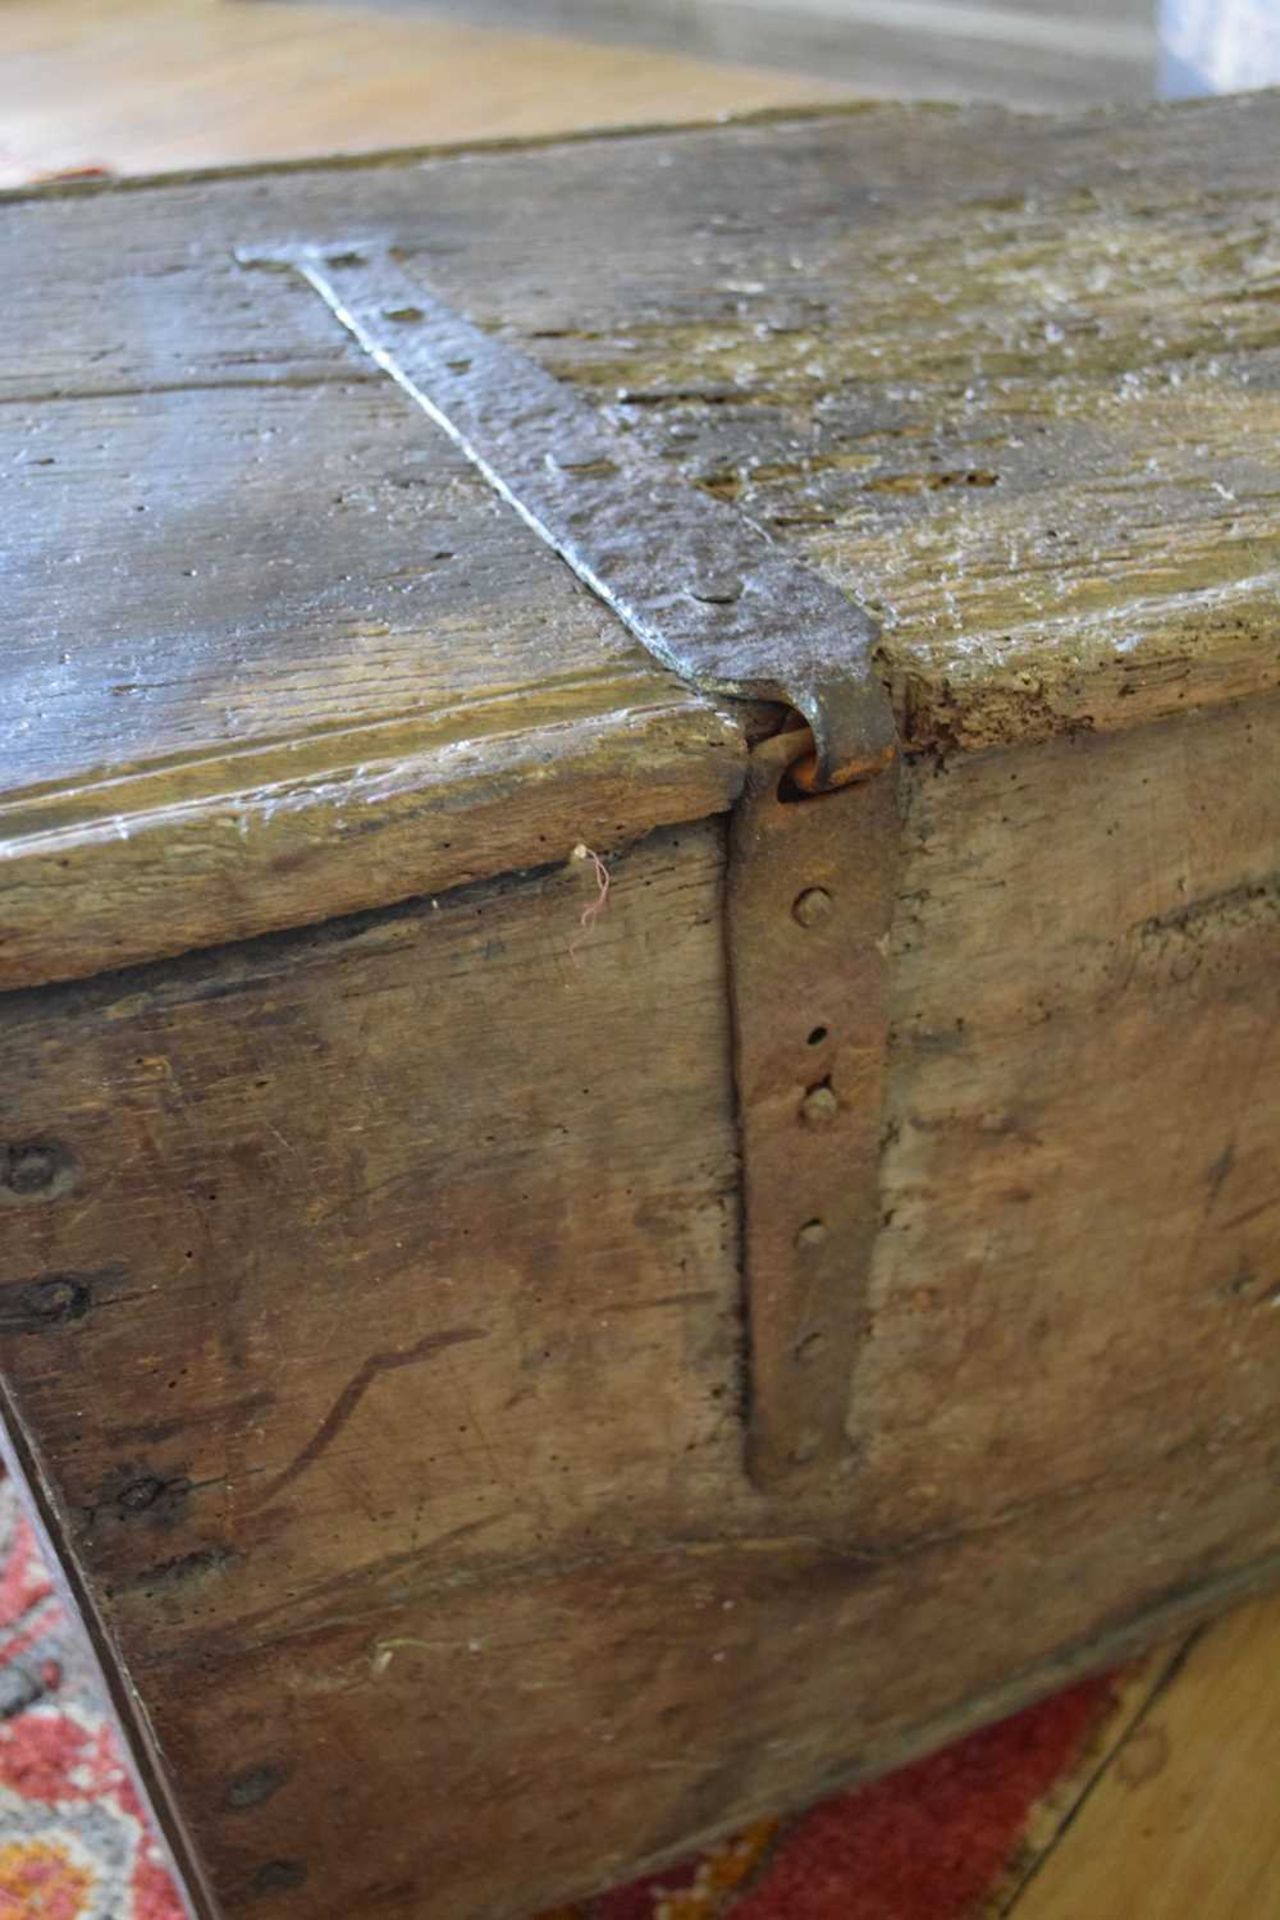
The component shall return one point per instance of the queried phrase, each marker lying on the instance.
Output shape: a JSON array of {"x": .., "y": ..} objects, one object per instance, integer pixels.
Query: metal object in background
[
  {"x": 1022, "y": 53},
  {"x": 1218, "y": 46}
]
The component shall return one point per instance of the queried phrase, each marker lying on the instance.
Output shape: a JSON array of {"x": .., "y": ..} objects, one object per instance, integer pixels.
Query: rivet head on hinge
[
  {"x": 811, "y": 1234},
  {"x": 717, "y": 589},
  {"x": 819, "y": 1106},
  {"x": 811, "y": 906}
]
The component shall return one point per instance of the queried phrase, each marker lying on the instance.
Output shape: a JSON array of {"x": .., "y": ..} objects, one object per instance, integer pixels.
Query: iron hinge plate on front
[{"x": 810, "y": 904}]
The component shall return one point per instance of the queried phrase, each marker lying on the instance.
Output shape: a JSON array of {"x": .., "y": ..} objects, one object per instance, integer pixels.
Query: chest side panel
[{"x": 378, "y": 1329}]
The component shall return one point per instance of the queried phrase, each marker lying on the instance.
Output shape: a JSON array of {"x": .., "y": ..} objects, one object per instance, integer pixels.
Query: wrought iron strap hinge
[
  {"x": 700, "y": 585},
  {"x": 810, "y": 905},
  {"x": 814, "y": 838}
]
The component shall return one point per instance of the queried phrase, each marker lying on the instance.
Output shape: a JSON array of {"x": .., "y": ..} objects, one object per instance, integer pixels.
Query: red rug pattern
[
  {"x": 76, "y": 1842},
  {"x": 940, "y": 1840}
]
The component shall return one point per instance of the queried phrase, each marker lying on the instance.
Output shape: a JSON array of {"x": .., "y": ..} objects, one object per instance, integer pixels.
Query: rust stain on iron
[{"x": 810, "y": 903}]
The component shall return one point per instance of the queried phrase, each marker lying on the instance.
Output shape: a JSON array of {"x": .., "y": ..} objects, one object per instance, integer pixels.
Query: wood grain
[
  {"x": 1090, "y": 1077},
  {"x": 1133, "y": 1688},
  {"x": 363, "y": 1125},
  {"x": 1183, "y": 1821},
  {"x": 324, "y": 667},
  {"x": 967, "y": 363}
]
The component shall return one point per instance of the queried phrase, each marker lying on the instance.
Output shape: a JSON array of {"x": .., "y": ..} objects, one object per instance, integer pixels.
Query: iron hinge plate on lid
[{"x": 698, "y": 583}]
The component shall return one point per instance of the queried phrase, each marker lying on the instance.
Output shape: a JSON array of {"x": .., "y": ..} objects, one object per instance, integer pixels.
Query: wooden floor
[
  {"x": 1027, "y": 53},
  {"x": 1177, "y": 1815},
  {"x": 1180, "y": 1819},
  {"x": 141, "y": 86}
]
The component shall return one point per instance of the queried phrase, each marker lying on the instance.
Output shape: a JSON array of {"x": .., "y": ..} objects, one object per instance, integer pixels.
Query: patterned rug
[
  {"x": 75, "y": 1841},
  {"x": 946, "y": 1839}
]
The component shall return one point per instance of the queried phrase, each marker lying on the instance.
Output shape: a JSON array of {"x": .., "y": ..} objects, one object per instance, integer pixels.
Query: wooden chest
[{"x": 641, "y": 946}]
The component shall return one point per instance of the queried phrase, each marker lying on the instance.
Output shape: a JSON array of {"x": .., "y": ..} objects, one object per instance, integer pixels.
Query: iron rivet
[
  {"x": 279, "y": 1876},
  {"x": 256, "y": 1784},
  {"x": 717, "y": 589},
  {"x": 811, "y": 906},
  {"x": 31, "y": 1169},
  {"x": 820, "y": 1106},
  {"x": 36, "y": 1169},
  {"x": 140, "y": 1494},
  {"x": 811, "y": 1234},
  {"x": 582, "y": 459},
  {"x": 58, "y": 1299}
]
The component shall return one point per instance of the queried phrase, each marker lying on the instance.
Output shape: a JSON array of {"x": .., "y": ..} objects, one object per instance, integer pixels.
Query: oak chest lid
[{"x": 994, "y": 396}]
